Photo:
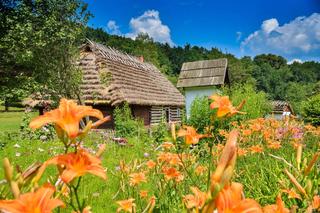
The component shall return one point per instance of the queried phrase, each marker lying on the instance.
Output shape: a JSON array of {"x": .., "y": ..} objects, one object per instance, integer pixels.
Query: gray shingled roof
[{"x": 203, "y": 73}]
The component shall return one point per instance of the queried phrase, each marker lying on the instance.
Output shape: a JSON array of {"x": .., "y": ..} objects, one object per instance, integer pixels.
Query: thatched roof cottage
[
  {"x": 111, "y": 78},
  {"x": 202, "y": 78}
]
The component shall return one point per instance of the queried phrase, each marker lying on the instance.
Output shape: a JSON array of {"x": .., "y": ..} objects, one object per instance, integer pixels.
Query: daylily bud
[
  {"x": 101, "y": 121},
  {"x": 173, "y": 131},
  {"x": 309, "y": 186},
  {"x": 86, "y": 129},
  {"x": 299, "y": 155},
  {"x": 295, "y": 182},
  {"x": 15, "y": 189},
  {"x": 227, "y": 174},
  {"x": 101, "y": 150},
  {"x": 312, "y": 162},
  {"x": 8, "y": 170},
  {"x": 228, "y": 155}
]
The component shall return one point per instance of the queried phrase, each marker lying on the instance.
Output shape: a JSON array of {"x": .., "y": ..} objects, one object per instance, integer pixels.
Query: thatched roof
[
  {"x": 113, "y": 77},
  {"x": 37, "y": 100},
  {"x": 203, "y": 73},
  {"x": 278, "y": 106}
]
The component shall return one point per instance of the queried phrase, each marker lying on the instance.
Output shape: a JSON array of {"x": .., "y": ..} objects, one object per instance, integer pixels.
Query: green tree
[
  {"x": 311, "y": 110},
  {"x": 41, "y": 42}
]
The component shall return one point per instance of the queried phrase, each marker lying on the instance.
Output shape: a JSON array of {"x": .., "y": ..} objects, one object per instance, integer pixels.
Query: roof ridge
[
  {"x": 120, "y": 56},
  {"x": 216, "y": 59}
]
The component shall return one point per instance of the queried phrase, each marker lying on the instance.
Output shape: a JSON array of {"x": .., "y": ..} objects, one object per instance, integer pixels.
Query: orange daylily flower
[
  {"x": 195, "y": 200},
  {"x": 126, "y": 205},
  {"x": 200, "y": 170},
  {"x": 276, "y": 208},
  {"x": 246, "y": 132},
  {"x": 256, "y": 149},
  {"x": 167, "y": 145},
  {"x": 67, "y": 117},
  {"x": 224, "y": 106},
  {"x": 150, "y": 164},
  {"x": 256, "y": 127},
  {"x": 164, "y": 157},
  {"x": 137, "y": 178},
  {"x": 274, "y": 145},
  {"x": 291, "y": 193},
  {"x": 40, "y": 201},
  {"x": 75, "y": 165},
  {"x": 223, "y": 133},
  {"x": 143, "y": 193},
  {"x": 316, "y": 202},
  {"x": 242, "y": 152},
  {"x": 190, "y": 134},
  {"x": 85, "y": 210},
  {"x": 229, "y": 200},
  {"x": 172, "y": 173}
]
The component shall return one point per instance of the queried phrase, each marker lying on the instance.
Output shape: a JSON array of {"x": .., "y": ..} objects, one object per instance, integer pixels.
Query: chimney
[{"x": 141, "y": 59}]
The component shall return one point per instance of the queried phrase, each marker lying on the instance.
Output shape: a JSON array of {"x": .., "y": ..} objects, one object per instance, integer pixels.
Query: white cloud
[
  {"x": 113, "y": 28},
  {"x": 298, "y": 38},
  {"x": 269, "y": 25},
  {"x": 149, "y": 22},
  {"x": 239, "y": 35},
  {"x": 295, "y": 60}
]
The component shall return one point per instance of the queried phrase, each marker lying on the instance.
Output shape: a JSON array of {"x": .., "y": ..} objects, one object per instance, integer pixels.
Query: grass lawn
[
  {"x": 10, "y": 121},
  {"x": 261, "y": 173},
  {"x": 102, "y": 194}
]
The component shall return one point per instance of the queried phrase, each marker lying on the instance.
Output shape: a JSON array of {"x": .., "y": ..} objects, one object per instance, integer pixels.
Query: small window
[{"x": 178, "y": 113}]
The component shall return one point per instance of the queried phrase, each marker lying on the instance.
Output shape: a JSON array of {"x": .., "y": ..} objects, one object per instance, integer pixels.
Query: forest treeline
[{"x": 269, "y": 73}]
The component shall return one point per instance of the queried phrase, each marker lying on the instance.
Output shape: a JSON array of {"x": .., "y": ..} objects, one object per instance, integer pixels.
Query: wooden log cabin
[{"x": 111, "y": 78}]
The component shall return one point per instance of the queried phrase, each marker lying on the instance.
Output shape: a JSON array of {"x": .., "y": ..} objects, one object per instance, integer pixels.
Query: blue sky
[{"x": 290, "y": 28}]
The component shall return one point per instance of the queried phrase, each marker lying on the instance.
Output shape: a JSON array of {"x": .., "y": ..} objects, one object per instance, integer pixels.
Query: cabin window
[{"x": 178, "y": 113}]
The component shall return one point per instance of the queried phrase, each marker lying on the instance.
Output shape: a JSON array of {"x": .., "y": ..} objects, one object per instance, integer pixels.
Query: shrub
[
  {"x": 200, "y": 113},
  {"x": 257, "y": 104},
  {"x": 160, "y": 132},
  {"x": 45, "y": 133},
  {"x": 125, "y": 124},
  {"x": 311, "y": 110}
]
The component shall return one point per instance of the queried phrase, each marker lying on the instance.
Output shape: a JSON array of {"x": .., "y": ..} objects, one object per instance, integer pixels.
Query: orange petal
[
  {"x": 48, "y": 117},
  {"x": 247, "y": 206}
]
